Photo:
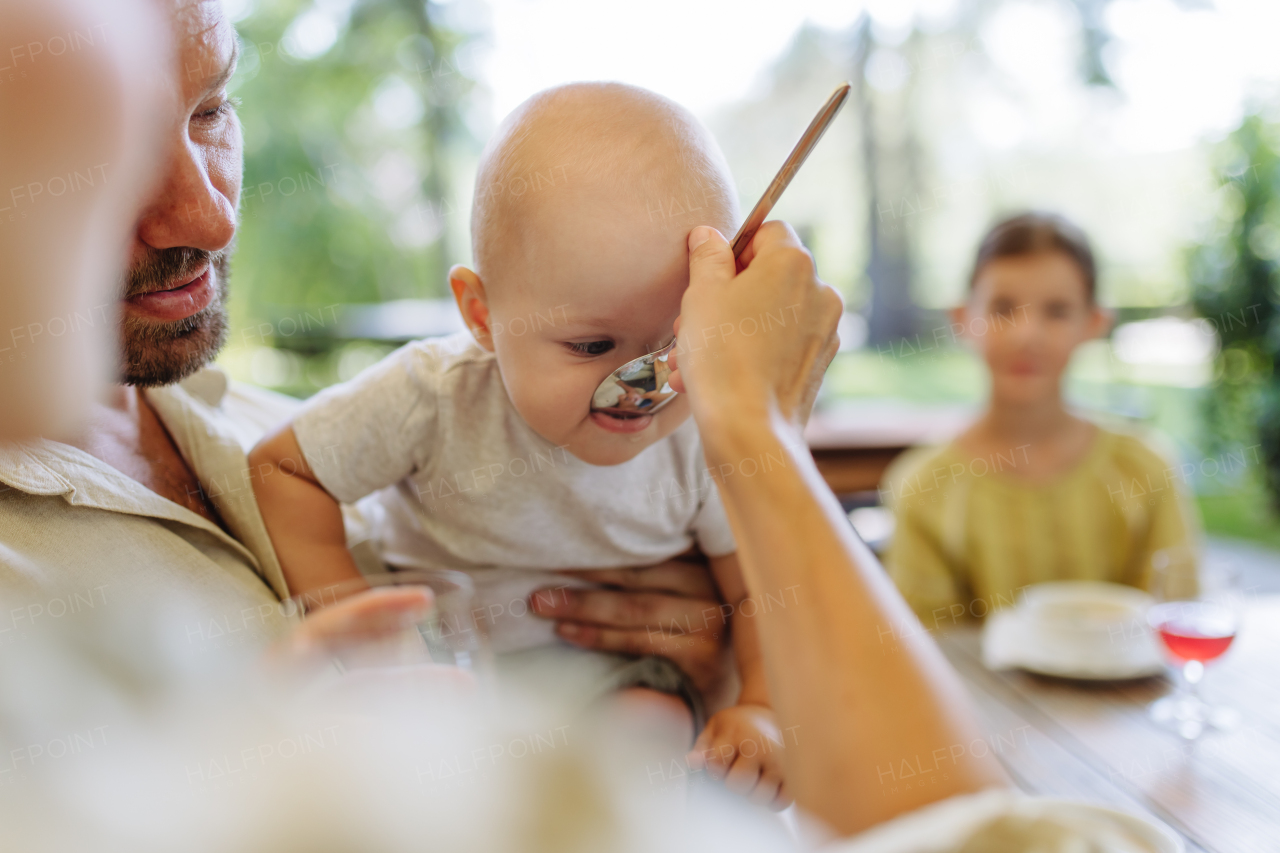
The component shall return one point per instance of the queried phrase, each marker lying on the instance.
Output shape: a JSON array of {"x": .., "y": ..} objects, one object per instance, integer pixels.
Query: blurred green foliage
[
  {"x": 1234, "y": 275},
  {"x": 349, "y": 150}
]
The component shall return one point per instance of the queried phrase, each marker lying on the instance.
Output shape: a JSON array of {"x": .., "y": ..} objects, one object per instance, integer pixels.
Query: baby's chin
[
  {"x": 602, "y": 440},
  {"x": 605, "y": 456}
]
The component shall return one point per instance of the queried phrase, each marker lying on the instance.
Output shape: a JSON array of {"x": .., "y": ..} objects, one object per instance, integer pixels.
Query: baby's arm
[
  {"x": 303, "y": 520},
  {"x": 742, "y": 743}
]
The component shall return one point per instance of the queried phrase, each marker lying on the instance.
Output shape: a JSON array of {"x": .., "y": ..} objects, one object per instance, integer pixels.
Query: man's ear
[
  {"x": 1100, "y": 321},
  {"x": 468, "y": 291}
]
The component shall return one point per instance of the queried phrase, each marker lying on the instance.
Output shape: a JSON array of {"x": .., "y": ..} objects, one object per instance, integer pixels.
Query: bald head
[{"x": 626, "y": 151}]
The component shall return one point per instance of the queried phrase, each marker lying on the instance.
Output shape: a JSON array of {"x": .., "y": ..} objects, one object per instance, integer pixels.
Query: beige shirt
[{"x": 76, "y": 534}]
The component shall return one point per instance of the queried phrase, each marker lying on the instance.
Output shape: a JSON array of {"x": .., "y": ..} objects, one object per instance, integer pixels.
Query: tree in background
[
  {"x": 1234, "y": 279},
  {"x": 891, "y": 178},
  {"x": 352, "y": 129}
]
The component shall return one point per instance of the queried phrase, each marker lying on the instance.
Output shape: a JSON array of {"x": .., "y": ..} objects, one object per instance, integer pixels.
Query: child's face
[
  {"x": 1025, "y": 316},
  {"x": 595, "y": 286}
]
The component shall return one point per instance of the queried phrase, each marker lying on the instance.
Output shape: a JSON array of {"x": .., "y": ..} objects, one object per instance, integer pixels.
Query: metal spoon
[{"x": 640, "y": 386}]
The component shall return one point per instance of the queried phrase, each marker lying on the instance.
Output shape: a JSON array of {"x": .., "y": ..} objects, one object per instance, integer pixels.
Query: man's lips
[
  {"x": 178, "y": 303},
  {"x": 629, "y": 424}
]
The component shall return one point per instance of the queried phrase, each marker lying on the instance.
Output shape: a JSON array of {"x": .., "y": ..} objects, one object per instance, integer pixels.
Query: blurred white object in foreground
[{"x": 118, "y": 736}]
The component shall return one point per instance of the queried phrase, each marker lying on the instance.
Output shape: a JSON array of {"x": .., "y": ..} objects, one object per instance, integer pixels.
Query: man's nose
[{"x": 189, "y": 207}]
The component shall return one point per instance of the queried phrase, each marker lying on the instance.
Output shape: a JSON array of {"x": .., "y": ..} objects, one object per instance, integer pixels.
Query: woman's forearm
[
  {"x": 862, "y": 703},
  {"x": 856, "y": 695}
]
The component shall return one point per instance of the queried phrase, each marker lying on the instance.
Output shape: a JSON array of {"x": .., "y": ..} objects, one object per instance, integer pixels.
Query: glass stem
[{"x": 1192, "y": 673}]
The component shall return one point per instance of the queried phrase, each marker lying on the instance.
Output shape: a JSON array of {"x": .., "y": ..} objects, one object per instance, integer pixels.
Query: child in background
[
  {"x": 482, "y": 449},
  {"x": 1030, "y": 492}
]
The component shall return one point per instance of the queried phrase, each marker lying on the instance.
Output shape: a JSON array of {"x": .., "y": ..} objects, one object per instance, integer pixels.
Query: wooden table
[
  {"x": 1093, "y": 741},
  {"x": 854, "y": 444}
]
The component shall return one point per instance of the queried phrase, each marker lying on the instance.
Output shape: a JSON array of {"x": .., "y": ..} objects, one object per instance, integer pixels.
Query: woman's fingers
[
  {"x": 759, "y": 340},
  {"x": 770, "y": 235},
  {"x": 710, "y": 255}
]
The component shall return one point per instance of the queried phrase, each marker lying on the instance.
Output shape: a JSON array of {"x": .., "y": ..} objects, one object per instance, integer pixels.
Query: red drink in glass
[
  {"x": 1194, "y": 630},
  {"x": 1187, "y": 646}
]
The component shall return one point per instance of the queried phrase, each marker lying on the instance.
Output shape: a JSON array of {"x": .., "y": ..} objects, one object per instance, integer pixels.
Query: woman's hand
[
  {"x": 731, "y": 356},
  {"x": 671, "y": 610}
]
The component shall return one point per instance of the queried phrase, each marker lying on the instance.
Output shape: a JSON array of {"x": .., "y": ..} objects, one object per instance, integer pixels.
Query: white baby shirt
[{"x": 458, "y": 480}]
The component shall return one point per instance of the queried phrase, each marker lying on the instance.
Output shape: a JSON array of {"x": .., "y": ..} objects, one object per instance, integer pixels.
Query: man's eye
[
  {"x": 225, "y": 107},
  {"x": 591, "y": 347}
]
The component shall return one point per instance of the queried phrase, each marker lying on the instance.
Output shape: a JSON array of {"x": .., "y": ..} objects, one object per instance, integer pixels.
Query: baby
[{"x": 482, "y": 449}]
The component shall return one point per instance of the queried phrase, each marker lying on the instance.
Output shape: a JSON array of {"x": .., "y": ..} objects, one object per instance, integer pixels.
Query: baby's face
[{"x": 595, "y": 285}]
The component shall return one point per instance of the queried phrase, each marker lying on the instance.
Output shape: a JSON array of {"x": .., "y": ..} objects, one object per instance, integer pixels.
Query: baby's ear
[{"x": 468, "y": 292}]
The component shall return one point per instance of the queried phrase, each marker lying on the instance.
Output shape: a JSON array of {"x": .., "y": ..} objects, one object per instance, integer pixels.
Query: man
[
  {"x": 69, "y": 198},
  {"x": 152, "y": 505}
]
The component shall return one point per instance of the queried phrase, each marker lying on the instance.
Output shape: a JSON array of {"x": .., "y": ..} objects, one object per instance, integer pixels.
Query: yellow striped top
[{"x": 970, "y": 533}]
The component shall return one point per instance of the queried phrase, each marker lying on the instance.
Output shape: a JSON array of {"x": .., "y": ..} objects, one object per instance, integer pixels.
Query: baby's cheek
[
  {"x": 541, "y": 412},
  {"x": 552, "y": 406}
]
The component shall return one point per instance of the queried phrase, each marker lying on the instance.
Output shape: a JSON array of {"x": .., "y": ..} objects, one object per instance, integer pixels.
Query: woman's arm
[{"x": 859, "y": 695}]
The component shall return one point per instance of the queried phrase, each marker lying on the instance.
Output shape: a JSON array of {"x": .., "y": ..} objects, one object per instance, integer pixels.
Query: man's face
[{"x": 174, "y": 314}]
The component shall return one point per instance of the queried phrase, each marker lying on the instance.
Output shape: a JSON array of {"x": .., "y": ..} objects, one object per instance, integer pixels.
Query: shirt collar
[
  {"x": 190, "y": 412},
  {"x": 208, "y": 386}
]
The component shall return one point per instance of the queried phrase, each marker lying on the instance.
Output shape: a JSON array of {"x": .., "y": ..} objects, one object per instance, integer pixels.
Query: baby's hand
[{"x": 742, "y": 745}]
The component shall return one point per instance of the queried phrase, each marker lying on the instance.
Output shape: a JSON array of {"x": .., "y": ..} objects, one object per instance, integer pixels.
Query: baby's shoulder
[
  {"x": 454, "y": 366},
  {"x": 456, "y": 352}
]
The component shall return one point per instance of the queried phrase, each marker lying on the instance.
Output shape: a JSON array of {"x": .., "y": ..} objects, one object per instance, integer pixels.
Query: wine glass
[{"x": 1196, "y": 617}]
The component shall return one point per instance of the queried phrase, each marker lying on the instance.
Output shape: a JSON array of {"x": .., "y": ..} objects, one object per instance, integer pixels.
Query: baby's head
[
  {"x": 584, "y": 201},
  {"x": 1032, "y": 301}
]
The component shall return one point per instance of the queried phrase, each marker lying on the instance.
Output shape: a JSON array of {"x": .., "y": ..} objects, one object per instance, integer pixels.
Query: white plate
[
  {"x": 1075, "y": 629},
  {"x": 1152, "y": 834},
  {"x": 941, "y": 826}
]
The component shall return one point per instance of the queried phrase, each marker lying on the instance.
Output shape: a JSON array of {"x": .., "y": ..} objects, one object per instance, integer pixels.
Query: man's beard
[{"x": 162, "y": 353}]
